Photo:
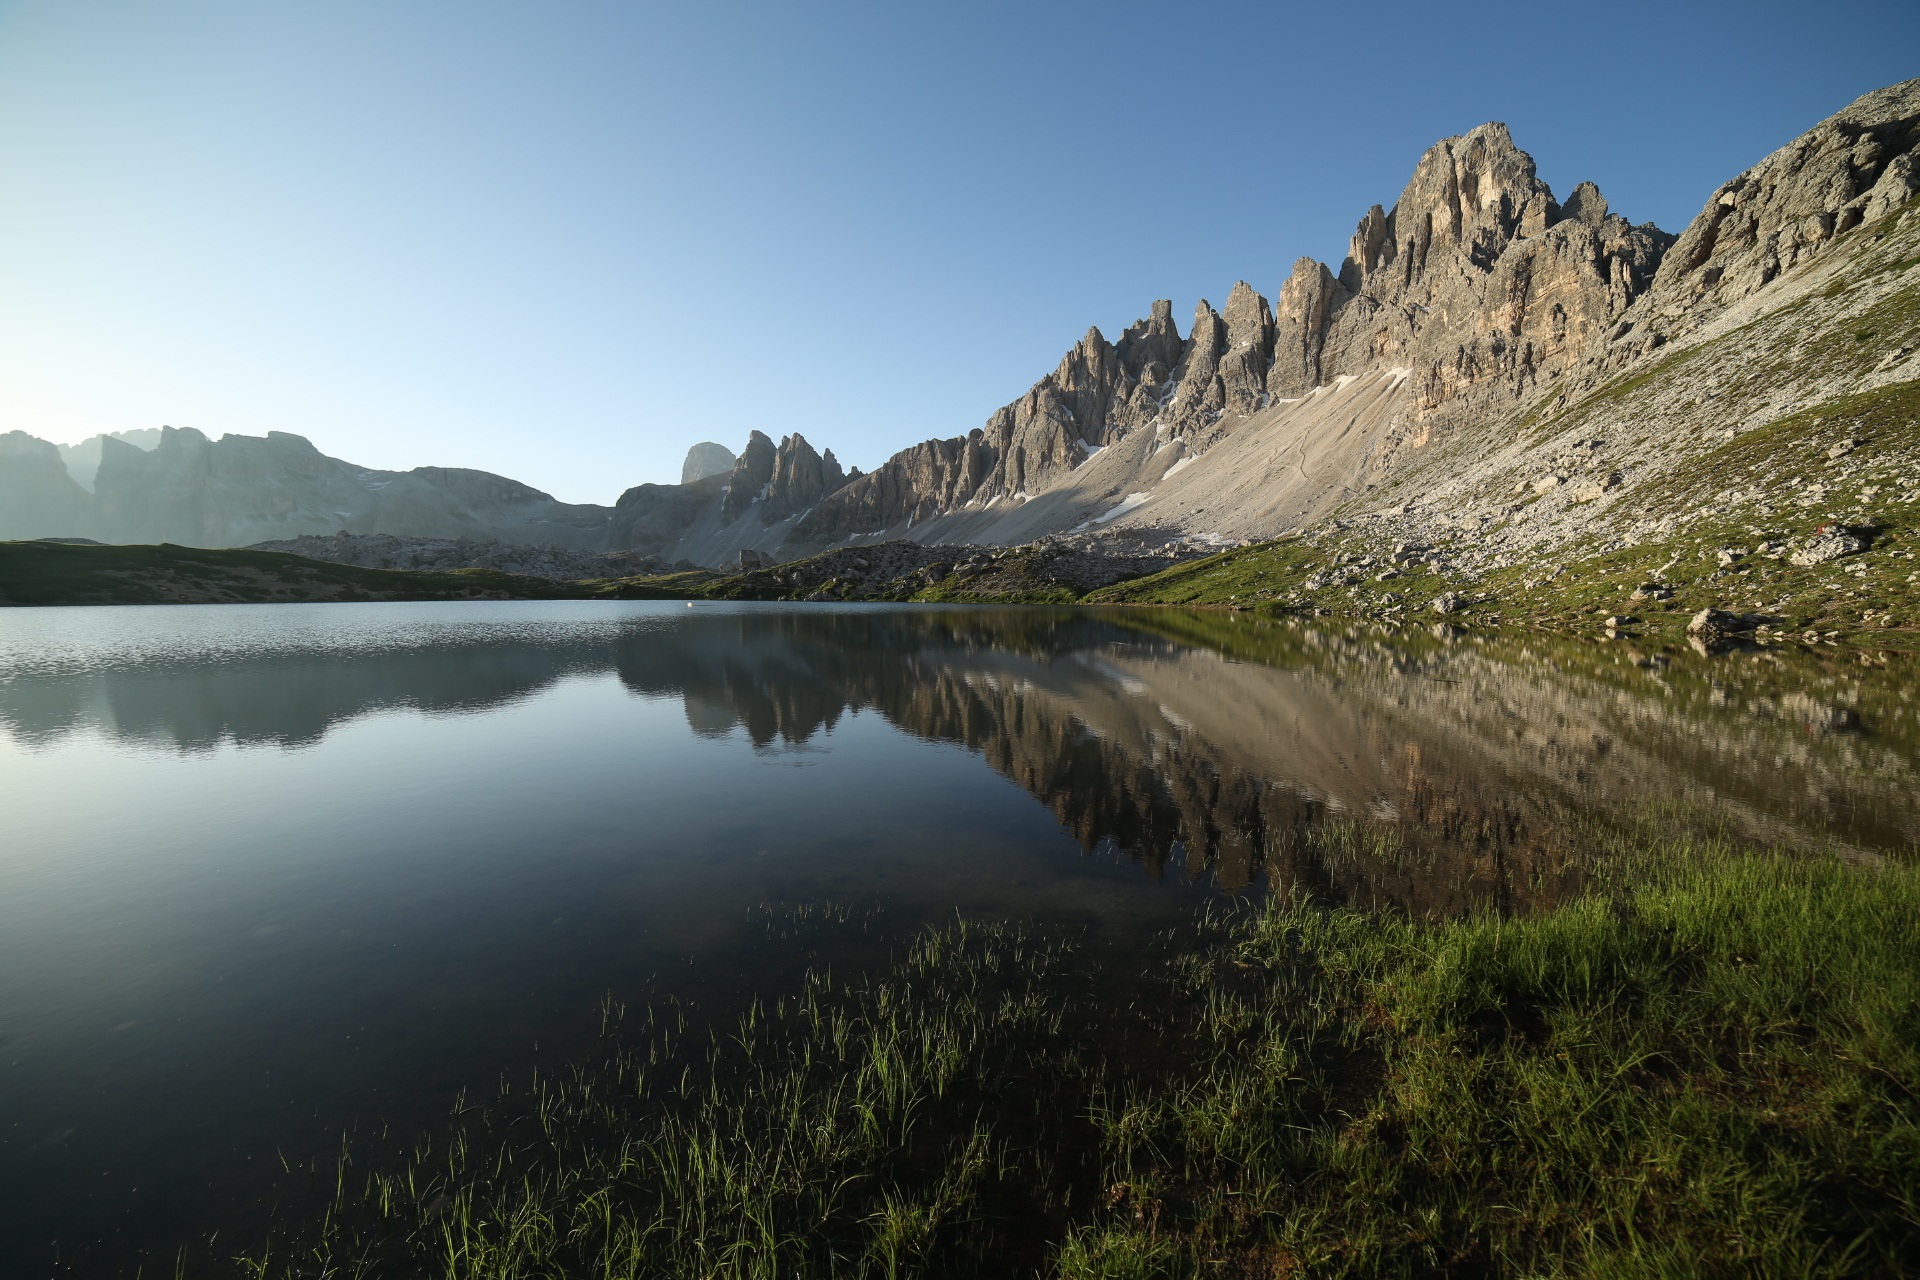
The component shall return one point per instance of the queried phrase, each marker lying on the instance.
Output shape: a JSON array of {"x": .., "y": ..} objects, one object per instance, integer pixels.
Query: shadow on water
[{"x": 1435, "y": 773}]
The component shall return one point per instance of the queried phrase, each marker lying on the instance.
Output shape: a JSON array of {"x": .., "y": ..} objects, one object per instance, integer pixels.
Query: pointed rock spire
[
  {"x": 1307, "y": 301},
  {"x": 1243, "y": 366},
  {"x": 750, "y": 477},
  {"x": 1150, "y": 348},
  {"x": 1586, "y": 204}
]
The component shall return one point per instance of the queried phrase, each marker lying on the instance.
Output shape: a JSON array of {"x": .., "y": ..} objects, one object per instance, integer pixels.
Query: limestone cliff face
[
  {"x": 801, "y": 478},
  {"x": 915, "y": 484},
  {"x": 1223, "y": 372},
  {"x": 1307, "y": 300},
  {"x": 1099, "y": 392},
  {"x": 38, "y": 498},
  {"x": 1476, "y": 280}
]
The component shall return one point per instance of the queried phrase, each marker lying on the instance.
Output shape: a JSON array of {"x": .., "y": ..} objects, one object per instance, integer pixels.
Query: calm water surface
[{"x": 270, "y": 873}]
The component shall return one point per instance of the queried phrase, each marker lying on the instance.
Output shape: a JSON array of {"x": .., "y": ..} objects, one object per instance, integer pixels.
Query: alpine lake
[{"x": 322, "y": 924}]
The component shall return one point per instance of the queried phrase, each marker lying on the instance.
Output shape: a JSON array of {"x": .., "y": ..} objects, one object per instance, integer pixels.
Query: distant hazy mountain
[
  {"x": 706, "y": 459},
  {"x": 38, "y": 498},
  {"x": 83, "y": 459},
  {"x": 239, "y": 490}
]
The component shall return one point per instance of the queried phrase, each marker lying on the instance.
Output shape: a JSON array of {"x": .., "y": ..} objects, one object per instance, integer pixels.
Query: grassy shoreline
[{"x": 1707, "y": 1065}]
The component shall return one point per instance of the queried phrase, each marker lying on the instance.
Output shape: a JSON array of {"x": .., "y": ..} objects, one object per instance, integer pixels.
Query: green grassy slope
[
  {"x": 46, "y": 573},
  {"x": 1712, "y": 1074},
  {"x": 1709, "y": 1067},
  {"x": 1764, "y": 492}
]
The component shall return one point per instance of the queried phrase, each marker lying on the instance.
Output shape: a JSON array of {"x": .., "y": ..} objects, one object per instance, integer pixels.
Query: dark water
[{"x": 268, "y": 873}]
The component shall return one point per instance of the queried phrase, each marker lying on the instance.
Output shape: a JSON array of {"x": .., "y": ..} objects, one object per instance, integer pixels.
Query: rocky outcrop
[
  {"x": 1476, "y": 280},
  {"x": 779, "y": 480},
  {"x": 38, "y": 498},
  {"x": 1307, "y": 301},
  {"x": 915, "y": 484},
  {"x": 1223, "y": 372},
  {"x": 1098, "y": 393},
  {"x": 752, "y": 473},
  {"x": 706, "y": 459},
  {"x": 1854, "y": 167},
  {"x": 801, "y": 478},
  {"x": 716, "y": 517}
]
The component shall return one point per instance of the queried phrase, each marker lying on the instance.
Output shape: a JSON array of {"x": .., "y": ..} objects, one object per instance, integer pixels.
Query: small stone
[
  {"x": 1449, "y": 602},
  {"x": 1652, "y": 591}
]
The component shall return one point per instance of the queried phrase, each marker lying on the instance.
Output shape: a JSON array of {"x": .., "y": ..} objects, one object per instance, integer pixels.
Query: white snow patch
[
  {"x": 1185, "y": 462},
  {"x": 1131, "y": 501}
]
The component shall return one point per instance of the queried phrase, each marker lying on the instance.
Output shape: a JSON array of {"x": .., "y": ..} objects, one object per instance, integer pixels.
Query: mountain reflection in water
[
  {"x": 271, "y": 873},
  {"x": 1214, "y": 742}
]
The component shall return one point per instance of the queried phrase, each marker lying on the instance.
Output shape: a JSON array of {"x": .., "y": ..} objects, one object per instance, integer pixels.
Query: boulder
[
  {"x": 1593, "y": 490},
  {"x": 1831, "y": 542},
  {"x": 1709, "y": 623}
]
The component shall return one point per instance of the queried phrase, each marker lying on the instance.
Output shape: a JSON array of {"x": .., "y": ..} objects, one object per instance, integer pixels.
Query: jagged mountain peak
[
  {"x": 1150, "y": 348},
  {"x": 1585, "y": 204}
]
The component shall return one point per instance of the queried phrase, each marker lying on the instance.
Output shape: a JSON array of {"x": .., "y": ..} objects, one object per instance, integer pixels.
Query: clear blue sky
[{"x": 565, "y": 240}]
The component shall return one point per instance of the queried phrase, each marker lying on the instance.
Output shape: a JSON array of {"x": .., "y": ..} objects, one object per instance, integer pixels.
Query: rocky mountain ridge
[
  {"x": 1475, "y": 305},
  {"x": 1488, "y": 361},
  {"x": 239, "y": 490}
]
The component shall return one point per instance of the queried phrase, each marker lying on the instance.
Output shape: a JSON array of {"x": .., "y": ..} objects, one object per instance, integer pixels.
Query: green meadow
[{"x": 1704, "y": 1065}]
